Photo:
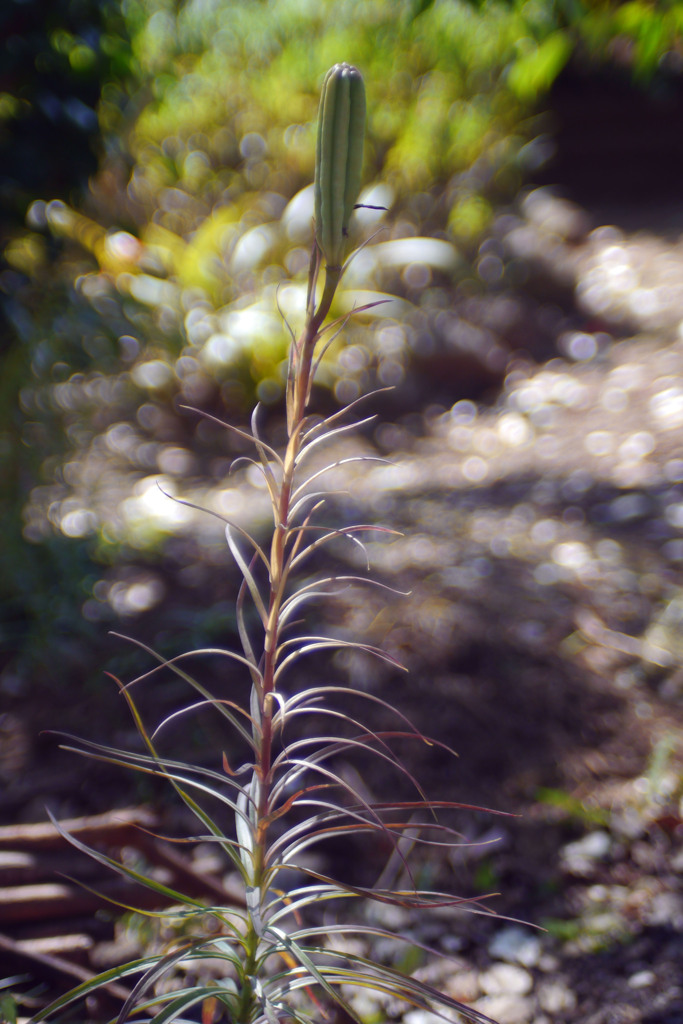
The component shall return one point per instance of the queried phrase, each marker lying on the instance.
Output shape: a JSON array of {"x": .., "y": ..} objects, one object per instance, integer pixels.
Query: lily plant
[{"x": 284, "y": 950}]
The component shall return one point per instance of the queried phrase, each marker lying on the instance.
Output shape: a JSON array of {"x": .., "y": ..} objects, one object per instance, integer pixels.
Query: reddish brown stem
[{"x": 298, "y": 395}]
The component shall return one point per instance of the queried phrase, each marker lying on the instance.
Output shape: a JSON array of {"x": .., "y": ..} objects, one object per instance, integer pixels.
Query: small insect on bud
[{"x": 338, "y": 158}]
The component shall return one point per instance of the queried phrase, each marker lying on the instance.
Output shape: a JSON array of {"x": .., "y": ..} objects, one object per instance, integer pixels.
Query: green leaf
[
  {"x": 534, "y": 72},
  {"x": 8, "y": 1009}
]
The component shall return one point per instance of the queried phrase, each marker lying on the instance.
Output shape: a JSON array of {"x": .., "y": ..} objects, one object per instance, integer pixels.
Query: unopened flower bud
[{"x": 338, "y": 158}]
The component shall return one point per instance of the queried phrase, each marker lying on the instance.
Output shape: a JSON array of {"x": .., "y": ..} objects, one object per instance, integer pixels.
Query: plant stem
[{"x": 297, "y": 401}]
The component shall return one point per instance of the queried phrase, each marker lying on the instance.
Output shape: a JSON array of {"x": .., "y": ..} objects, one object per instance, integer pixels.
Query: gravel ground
[{"x": 543, "y": 550}]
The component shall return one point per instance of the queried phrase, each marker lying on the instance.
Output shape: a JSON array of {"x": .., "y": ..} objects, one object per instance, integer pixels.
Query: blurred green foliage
[
  {"x": 156, "y": 283},
  {"x": 571, "y": 808},
  {"x": 58, "y": 58}
]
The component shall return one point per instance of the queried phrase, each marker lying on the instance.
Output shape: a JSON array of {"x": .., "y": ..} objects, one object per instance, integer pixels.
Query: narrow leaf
[{"x": 247, "y": 575}]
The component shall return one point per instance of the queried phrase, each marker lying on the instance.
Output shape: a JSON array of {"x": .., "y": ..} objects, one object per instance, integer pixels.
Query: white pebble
[
  {"x": 581, "y": 855},
  {"x": 555, "y": 997},
  {"x": 642, "y": 979},
  {"x": 422, "y": 1017},
  {"x": 517, "y": 945},
  {"x": 463, "y": 985},
  {"x": 502, "y": 978},
  {"x": 507, "y": 1009}
]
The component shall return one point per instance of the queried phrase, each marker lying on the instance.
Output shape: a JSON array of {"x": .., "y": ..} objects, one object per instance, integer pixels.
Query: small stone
[
  {"x": 607, "y": 922},
  {"x": 422, "y": 1017},
  {"x": 642, "y": 979},
  {"x": 579, "y": 857},
  {"x": 451, "y": 944},
  {"x": 505, "y": 978},
  {"x": 507, "y": 1009},
  {"x": 463, "y": 985},
  {"x": 370, "y": 1005},
  {"x": 394, "y": 919},
  {"x": 516, "y": 945},
  {"x": 594, "y": 845},
  {"x": 666, "y": 909},
  {"x": 555, "y": 996}
]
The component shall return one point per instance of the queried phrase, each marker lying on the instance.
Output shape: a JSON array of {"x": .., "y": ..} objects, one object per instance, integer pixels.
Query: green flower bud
[{"x": 338, "y": 158}]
